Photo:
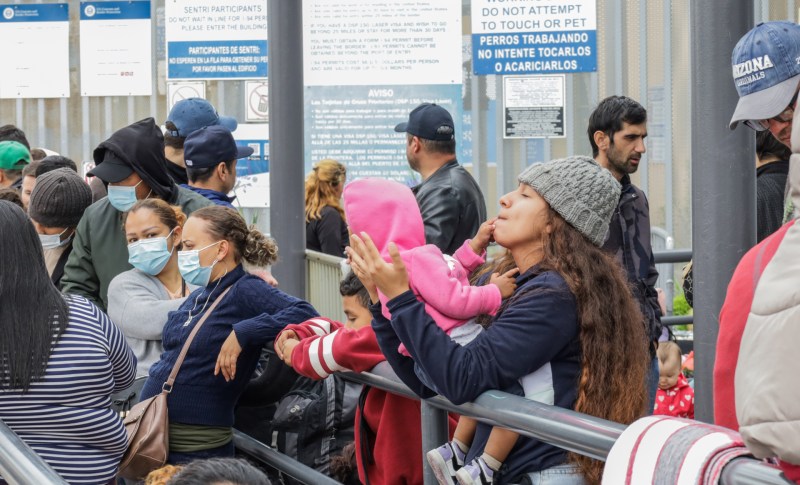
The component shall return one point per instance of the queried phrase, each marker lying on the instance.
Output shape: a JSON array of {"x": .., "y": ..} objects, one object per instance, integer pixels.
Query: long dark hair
[
  {"x": 34, "y": 314},
  {"x": 614, "y": 344}
]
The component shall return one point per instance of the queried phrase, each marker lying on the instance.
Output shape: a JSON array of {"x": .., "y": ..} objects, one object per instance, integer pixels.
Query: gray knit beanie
[
  {"x": 59, "y": 199},
  {"x": 580, "y": 190}
]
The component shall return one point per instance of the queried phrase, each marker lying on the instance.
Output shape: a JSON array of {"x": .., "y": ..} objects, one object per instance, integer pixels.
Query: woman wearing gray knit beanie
[
  {"x": 57, "y": 203},
  {"x": 571, "y": 329}
]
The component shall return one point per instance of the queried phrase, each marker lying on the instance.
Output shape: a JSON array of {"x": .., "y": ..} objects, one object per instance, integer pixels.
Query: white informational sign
[
  {"x": 178, "y": 91},
  {"x": 534, "y": 36},
  {"x": 214, "y": 39},
  {"x": 534, "y": 106},
  {"x": 252, "y": 173},
  {"x": 367, "y": 64},
  {"x": 402, "y": 42},
  {"x": 256, "y": 101},
  {"x": 116, "y": 49},
  {"x": 35, "y": 51}
]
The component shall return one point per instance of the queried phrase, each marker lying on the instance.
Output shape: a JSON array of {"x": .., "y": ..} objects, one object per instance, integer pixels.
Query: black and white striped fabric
[{"x": 66, "y": 417}]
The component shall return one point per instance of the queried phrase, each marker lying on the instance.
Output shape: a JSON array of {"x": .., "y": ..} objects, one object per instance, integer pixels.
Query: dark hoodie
[
  {"x": 141, "y": 145},
  {"x": 99, "y": 249}
]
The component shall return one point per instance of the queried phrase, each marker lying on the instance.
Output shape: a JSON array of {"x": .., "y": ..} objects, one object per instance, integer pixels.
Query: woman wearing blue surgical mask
[
  {"x": 226, "y": 349},
  {"x": 140, "y": 299}
]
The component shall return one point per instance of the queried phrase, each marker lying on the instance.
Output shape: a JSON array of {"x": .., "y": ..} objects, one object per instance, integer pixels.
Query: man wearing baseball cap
[
  {"x": 450, "y": 200},
  {"x": 210, "y": 154},
  {"x": 766, "y": 72},
  {"x": 185, "y": 117},
  {"x": 756, "y": 368},
  {"x": 14, "y": 156}
]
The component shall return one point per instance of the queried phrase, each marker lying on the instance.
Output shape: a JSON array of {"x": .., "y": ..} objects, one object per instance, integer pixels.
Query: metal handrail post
[{"x": 435, "y": 432}]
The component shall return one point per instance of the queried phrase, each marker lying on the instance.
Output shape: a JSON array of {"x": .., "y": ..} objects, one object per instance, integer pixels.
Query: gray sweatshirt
[{"x": 139, "y": 304}]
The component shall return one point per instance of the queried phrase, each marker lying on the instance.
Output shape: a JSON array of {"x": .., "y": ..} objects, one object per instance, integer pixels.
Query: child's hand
[
  {"x": 288, "y": 348},
  {"x": 481, "y": 241},
  {"x": 506, "y": 282},
  {"x": 280, "y": 342}
]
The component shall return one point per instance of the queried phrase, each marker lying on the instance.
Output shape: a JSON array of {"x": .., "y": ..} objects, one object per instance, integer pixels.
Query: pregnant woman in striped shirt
[{"x": 61, "y": 360}]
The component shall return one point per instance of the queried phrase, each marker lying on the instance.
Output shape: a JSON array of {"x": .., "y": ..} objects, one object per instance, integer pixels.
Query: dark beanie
[{"x": 59, "y": 199}]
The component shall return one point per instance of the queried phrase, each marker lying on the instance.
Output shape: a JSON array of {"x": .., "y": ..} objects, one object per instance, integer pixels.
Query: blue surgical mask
[
  {"x": 52, "y": 241},
  {"x": 189, "y": 266},
  {"x": 150, "y": 255},
  {"x": 122, "y": 197}
]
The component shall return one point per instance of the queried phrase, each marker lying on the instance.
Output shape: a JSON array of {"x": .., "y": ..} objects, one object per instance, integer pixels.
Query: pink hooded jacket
[{"x": 388, "y": 212}]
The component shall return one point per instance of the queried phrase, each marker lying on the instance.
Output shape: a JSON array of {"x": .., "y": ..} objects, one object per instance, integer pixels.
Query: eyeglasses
[{"x": 785, "y": 116}]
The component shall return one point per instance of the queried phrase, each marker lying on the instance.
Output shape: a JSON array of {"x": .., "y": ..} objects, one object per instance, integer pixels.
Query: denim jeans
[{"x": 557, "y": 475}]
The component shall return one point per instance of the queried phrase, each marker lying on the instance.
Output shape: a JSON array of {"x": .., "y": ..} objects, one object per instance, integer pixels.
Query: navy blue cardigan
[
  {"x": 256, "y": 311},
  {"x": 538, "y": 325}
]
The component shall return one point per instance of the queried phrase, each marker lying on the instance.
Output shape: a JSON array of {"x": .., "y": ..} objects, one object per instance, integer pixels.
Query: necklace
[{"x": 189, "y": 320}]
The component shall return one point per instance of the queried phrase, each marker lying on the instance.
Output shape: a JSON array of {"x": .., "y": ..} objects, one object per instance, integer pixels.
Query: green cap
[{"x": 13, "y": 155}]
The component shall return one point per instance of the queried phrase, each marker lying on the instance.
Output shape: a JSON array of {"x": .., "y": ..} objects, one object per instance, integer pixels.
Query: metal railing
[
  {"x": 19, "y": 464},
  {"x": 324, "y": 274},
  {"x": 559, "y": 427}
]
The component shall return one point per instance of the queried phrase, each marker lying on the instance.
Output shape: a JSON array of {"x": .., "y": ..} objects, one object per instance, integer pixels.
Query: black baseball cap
[
  {"x": 211, "y": 145},
  {"x": 429, "y": 121},
  {"x": 112, "y": 169}
]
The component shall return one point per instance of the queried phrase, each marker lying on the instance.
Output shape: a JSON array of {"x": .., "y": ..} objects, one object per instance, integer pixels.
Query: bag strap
[{"x": 167, "y": 387}]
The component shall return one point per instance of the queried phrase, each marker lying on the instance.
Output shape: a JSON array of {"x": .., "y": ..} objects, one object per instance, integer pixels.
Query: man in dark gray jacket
[
  {"x": 449, "y": 199},
  {"x": 617, "y": 129}
]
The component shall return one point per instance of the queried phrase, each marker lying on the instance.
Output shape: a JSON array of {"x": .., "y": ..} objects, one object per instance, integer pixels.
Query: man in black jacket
[
  {"x": 450, "y": 200},
  {"x": 617, "y": 129}
]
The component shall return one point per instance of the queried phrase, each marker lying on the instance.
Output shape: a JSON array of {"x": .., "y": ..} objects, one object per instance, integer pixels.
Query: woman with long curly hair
[
  {"x": 326, "y": 229},
  {"x": 572, "y": 321}
]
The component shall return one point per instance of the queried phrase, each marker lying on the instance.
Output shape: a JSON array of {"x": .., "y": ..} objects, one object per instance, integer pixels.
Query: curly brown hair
[
  {"x": 614, "y": 343},
  {"x": 249, "y": 244}
]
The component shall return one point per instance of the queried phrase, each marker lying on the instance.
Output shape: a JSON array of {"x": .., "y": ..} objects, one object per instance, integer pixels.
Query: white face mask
[{"x": 52, "y": 241}]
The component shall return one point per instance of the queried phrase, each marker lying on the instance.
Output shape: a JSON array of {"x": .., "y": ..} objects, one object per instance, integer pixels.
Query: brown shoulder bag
[{"x": 147, "y": 423}]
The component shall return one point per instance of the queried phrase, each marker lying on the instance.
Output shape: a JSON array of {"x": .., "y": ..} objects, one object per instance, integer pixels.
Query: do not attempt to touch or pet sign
[
  {"x": 534, "y": 36},
  {"x": 534, "y": 106}
]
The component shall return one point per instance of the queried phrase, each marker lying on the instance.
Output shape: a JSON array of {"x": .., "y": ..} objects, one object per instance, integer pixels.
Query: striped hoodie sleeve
[{"x": 326, "y": 346}]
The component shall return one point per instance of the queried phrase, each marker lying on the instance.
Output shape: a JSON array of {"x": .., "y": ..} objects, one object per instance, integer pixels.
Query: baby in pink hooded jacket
[{"x": 388, "y": 212}]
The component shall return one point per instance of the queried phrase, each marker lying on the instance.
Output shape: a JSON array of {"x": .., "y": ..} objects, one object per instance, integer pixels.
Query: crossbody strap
[{"x": 167, "y": 387}]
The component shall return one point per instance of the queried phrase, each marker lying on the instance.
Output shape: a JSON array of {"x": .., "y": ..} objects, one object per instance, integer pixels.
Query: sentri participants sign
[
  {"x": 534, "y": 36},
  {"x": 213, "y": 39}
]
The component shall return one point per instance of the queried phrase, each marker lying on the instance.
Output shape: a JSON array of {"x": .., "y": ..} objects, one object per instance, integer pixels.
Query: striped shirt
[{"x": 65, "y": 417}]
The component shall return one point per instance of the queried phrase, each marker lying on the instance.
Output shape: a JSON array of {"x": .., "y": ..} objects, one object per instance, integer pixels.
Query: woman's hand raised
[{"x": 390, "y": 278}]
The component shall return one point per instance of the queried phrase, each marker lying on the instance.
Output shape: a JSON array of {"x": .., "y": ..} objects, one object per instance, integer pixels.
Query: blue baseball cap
[
  {"x": 191, "y": 114},
  {"x": 429, "y": 121},
  {"x": 766, "y": 71},
  {"x": 211, "y": 145}
]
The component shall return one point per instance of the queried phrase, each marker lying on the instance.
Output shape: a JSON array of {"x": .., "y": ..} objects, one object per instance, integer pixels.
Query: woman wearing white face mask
[
  {"x": 140, "y": 299},
  {"x": 226, "y": 349},
  {"x": 57, "y": 203}
]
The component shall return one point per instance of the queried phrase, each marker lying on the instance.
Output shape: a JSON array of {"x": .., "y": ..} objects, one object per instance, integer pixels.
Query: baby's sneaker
[
  {"x": 476, "y": 472},
  {"x": 445, "y": 461}
]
